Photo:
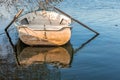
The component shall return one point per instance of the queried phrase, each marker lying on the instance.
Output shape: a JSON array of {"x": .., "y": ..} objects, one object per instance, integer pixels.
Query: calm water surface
[{"x": 84, "y": 58}]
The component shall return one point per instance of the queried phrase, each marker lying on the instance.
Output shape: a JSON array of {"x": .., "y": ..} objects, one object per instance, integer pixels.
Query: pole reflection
[
  {"x": 39, "y": 63},
  {"x": 85, "y": 43}
]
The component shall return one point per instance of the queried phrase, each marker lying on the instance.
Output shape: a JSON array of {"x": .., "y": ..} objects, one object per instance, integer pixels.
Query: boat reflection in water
[
  {"x": 42, "y": 63},
  {"x": 56, "y": 56}
]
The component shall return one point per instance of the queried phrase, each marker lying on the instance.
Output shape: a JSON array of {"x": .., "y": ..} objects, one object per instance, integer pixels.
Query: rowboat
[{"x": 44, "y": 28}]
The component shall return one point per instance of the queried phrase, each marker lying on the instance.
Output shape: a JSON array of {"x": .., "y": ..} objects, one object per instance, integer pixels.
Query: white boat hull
[{"x": 44, "y": 28}]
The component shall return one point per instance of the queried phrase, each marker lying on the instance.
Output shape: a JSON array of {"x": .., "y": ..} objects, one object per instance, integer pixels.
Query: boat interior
[{"x": 44, "y": 20}]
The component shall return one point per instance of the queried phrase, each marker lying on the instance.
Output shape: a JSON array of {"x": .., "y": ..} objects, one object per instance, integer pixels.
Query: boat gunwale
[{"x": 45, "y": 30}]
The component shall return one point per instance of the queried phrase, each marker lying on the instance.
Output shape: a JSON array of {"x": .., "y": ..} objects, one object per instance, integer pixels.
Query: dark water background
[{"x": 97, "y": 60}]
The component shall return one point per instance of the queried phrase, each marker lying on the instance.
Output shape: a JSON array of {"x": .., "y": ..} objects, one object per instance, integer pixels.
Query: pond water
[{"x": 86, "y": 57}]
